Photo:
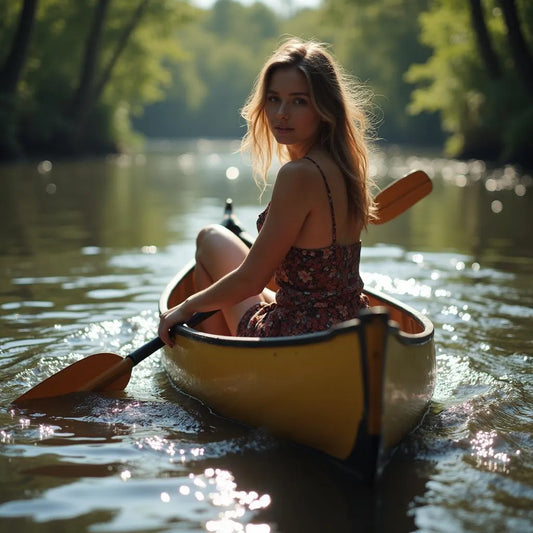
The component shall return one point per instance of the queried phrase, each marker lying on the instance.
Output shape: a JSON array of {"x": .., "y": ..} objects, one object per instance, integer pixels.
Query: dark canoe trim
[
  {"x": 366, "y": 452},
  {"x": 353, "y": 326},
  {"x": 425, "y": 323},
  {"x": 404, "y": 338},
  {"x": 321, "y": 336}
]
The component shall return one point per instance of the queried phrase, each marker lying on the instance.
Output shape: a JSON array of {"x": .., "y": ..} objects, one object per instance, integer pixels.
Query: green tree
[
  {"x": 224, "y": 50},
  {"x": 518, "y": 46},
  {"x": 11, "y": 70},
  {"x": 10, "y": 74},
  {"x": 62, "y": 97},
  {"x": 472, "y": 81},
  {"x": 486, "y": 50},
  {"x": 377, "y": 42},
  {"x": 85, "y": 92}
]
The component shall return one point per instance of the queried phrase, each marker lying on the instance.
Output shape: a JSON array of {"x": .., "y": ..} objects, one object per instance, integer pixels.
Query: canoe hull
[{"x": 352, "y": 392}]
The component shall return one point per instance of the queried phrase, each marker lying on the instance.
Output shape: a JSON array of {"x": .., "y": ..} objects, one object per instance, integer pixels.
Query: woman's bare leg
[
  {"x": 216, "y": 324},
  {"x": 218, "y": 252}
]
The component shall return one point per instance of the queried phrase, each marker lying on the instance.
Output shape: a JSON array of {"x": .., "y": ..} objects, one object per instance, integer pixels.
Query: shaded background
[{"x": 94, "y": 77}]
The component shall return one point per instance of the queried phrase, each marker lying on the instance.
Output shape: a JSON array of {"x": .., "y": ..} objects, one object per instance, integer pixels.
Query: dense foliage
[
  {"x": 474, "y": 80},
  {"x": 87, "y": 66},
  {"x": 83, "y": 71}
]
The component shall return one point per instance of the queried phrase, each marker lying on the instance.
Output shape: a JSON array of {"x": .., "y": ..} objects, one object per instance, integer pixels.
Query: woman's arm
[{"x": 292, "y": 200}]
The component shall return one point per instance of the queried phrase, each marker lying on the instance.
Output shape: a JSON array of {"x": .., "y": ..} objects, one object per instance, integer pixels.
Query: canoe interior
[{"x": 408, "y": 323}]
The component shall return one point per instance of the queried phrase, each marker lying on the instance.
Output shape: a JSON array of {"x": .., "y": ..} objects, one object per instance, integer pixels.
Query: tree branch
[
  {"x": 519, "y": 50},
  {"x": 12, "y": 68},
  {"x": 490, "y": 60},
  {"x": 106, "y": 75}
]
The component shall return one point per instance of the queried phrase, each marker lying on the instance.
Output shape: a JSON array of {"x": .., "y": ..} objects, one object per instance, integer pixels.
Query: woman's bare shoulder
[
  {"x": 299, "y": 173},
  {"x": 298, "y": 165}
]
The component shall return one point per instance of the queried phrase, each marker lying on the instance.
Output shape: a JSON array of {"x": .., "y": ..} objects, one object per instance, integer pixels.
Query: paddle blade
[
  {"x": 80, "y": 375},
  {"x": 401, "y": 195}
]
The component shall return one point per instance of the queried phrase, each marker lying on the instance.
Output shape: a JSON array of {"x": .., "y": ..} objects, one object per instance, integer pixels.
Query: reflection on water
[{"x": 88, "y": 246}]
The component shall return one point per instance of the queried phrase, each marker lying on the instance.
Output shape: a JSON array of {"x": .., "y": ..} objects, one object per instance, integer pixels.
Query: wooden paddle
[
  {"x": 111, "y": 372},
  {"x": 400, "y": 195}
]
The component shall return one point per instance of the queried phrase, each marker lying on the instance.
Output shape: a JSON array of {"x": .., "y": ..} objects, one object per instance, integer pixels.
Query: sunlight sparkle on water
[
  {"x": 109, "y": 328},
  {"x": 232, "y": 173},
  {"x": 45, "y": 431},
  {"x": 150, "y": 250},
  {"x": 453, "y": 310},
  {"x": 496, "y": 206},
  {"x": 418, "y": 259},
  {"x": 520, "y": 189},
  {"x": 218, "y": 487},
  {"x": 453, "y": 373},
  {"x": 461, "y": 180},
  {"x": 160, "y": 444},
  {"x": 483, "y": 450},
  {"x": 385, "y": 283},
  {"x": 44, "y": 167},
  {"x": 5, "y": 437},
  {"x": 442, "y": 293},
  {"x": 143, "y": 325}
]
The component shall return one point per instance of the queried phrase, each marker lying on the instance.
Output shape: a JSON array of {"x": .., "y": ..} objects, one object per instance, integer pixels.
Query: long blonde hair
[{"x": 341, "y": 104}]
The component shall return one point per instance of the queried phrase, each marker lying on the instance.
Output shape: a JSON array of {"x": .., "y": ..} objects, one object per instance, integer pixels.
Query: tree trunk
[
  {"x": 10, "y": 74},
  {"x": 490, "y": 60},
  {"x": 106, "y": 75},
  {"x": 519, "y": 50},
  {"x": 82, "y": 98},
  {"x": 12, "y": 68},
  {"x": 90, "y": 88}
]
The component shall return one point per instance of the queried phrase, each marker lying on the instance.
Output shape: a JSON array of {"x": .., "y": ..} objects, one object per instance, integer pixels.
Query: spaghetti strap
[
  {"x": 317, "y": 288},
  {"x": 330, "y": 200}
]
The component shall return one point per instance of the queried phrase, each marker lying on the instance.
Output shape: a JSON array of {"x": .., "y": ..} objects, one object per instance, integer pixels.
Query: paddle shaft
[{"x": 140, "y": 354}]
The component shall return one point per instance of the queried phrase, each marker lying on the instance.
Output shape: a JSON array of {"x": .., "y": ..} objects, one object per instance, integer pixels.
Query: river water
[{"x": 87, "y": 247}]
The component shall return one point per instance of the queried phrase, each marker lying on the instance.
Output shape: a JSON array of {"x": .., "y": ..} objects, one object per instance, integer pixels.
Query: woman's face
[{"x": 292, "y": 117}]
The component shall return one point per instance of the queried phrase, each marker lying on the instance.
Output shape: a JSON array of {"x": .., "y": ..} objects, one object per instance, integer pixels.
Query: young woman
[{"x": 305, "y": 109}]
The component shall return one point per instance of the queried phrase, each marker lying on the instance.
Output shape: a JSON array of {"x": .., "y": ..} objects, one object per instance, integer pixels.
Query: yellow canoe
[{"x": 352, "y": 392}]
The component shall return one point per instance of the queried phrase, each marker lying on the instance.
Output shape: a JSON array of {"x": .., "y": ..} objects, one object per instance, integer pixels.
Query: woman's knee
[
  {"x": 206, "y": 234},
  {"x": 210, "y": 237},
  {"x": 217, "y": 242}
]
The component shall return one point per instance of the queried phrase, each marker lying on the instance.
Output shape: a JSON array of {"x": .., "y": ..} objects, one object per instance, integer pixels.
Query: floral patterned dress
[{"x": 318, "y": 287}]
